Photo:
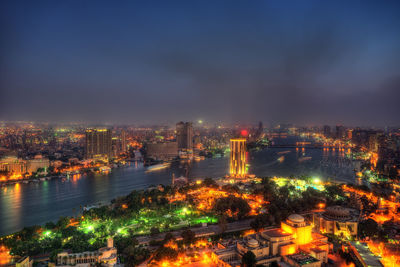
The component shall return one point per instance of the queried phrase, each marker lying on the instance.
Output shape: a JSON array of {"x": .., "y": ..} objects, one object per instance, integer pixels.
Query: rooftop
[
  {"x": 296, "y": 218},
  {"x": 302, "y": 259},
  {"x": 276, "y": 233},
  {"x": 341, "y": 214}
]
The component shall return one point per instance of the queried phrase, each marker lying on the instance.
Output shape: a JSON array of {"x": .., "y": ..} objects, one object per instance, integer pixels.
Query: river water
[{"x": 36, "y": 203}]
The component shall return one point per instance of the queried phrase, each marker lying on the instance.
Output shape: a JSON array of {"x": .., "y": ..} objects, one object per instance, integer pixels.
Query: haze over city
[
  {"x": 199, "y": 133},
  {"x": 304, "y": 62}
]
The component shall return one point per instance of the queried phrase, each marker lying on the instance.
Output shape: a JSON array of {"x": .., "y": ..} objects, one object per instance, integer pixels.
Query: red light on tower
[{"x": 244, "y": 133}]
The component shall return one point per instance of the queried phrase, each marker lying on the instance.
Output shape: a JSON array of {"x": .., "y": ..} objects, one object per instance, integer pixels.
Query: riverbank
[
  {"x": 165, "y": 209},
  {"x": 65, "y": 175},
  {"x": 29, "y": 180},
  {"x": 53, "y": 198}
]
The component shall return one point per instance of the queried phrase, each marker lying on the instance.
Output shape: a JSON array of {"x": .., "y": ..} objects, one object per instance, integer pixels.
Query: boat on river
[{"x": 158, "y": 167}]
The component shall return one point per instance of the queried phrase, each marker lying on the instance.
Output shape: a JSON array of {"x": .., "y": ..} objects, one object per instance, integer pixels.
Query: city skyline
[
  {"x": 199, "y": 133},
  {"x": 314, "y": 62}
]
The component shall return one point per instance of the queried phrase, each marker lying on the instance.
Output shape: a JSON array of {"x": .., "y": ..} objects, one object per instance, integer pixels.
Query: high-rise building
[
  {"x": 366, "y": 138},
  {"x": 98, "y": 143},
  {"x": 123, "y": 141},
  {"x": 340, "y": 131},
  {"x": 327, "y": 131},
  {"x": 260, "y": 130},
  {"x": 349, "y": 134},
  {"x": 372, "y": 143},
  {"x": 238, "y": 158},
  {"x": 184, "y": 135},
  {"x": 162, "y": 151}
]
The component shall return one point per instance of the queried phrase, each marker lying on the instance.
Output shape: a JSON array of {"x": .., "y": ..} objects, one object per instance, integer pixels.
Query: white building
[{"x": 107, "y": 256}]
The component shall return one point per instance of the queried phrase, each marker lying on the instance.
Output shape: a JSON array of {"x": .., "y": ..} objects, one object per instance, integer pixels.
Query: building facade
[
  {"x": 98, "y": 143},
  {"x": 184, "y": 135},
  {"x": 13, "y": 165},
  {"x": 37, "y": 163},
  {"x": 162, "y": 151},
  {"x": 293, "y": 243},
  {"x": 124, "y": 146},
  {"x": 107, "y": 256},
  {"x": 297, "y": 226},
  {"x": 337, "y": 220},
  {"x": 238, "y": 158}
]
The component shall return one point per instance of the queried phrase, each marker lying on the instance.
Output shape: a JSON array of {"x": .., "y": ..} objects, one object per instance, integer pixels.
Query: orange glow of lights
[
  {"x": 201, "y": 243},
  {"x": 374, "y": 159},
  {"x": 379, "y": 218},
  {"x": 249, "y": 232},
  {"x": 5, "y": 256},
  {"x": 388, "y": 258},
  {"x": 200, "y": 259},
  {"x": 14, "y": 176},
  {"x": 171, "y": 244},
  {"x": 238, "y": 157},
  {"x": 205, "y": 198},
  {"x": 288, "y": 249},
  {"x": 73, "y": 222}
]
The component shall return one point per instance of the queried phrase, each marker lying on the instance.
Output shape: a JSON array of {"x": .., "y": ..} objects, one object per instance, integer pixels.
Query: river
[{"x": 36, "y": 203}]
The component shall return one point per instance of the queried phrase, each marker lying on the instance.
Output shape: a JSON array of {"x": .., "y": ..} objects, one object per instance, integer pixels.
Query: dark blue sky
[{"x": 234, "y": 61}]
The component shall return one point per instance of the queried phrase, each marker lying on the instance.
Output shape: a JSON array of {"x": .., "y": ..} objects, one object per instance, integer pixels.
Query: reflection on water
[
  {"x": 36, "y": 203},
  {"x": 11, "y": 204}
]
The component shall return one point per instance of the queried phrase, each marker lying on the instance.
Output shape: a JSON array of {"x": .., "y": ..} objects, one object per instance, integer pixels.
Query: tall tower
[
  {"x": 340, "y": 131},
  {"x": 238, "y": 158},
  {"x": 123, "y": 141},
  {"x": 184, "y": 135},
  {"x": 98, "y": 143},
  {"x": 327, "y": 131}
]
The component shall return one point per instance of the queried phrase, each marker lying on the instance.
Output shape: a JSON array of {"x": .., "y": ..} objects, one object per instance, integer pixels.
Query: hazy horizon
[{"x": 301, "y": 62}]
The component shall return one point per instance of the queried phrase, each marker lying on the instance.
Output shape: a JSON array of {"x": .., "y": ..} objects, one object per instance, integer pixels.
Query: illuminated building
[
  {"x": 37, "y": 163},
  {"x": 302, "y": 260},
  {"x": 259, "y": 249},
  {"x": 296, "y": 225},
  {"x": 184, "y": 135},
  {"x": 13, "y": 165},
  {"x": 24, "y": 262},
  {"x": 98, "y": 143},
  {"x": 238, "y": 158},
  {"x": 162, "y": 151},
  {"x": 281, "y": 243},
  {"x": 338, "y": 221},
  {"x": 340, "y": 131},
  {"x": 372, "y": 143},
  {"x": 123, "y": 141},
  {"x": 349, "y": 134},
  {"x": 327, "y": 131},
  {"x": 293, "y": 243},
  {"x": 106, "y": 256}
]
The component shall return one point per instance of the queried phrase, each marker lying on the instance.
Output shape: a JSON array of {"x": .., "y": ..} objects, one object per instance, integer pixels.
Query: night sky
[{"x": 305, "y": 62}]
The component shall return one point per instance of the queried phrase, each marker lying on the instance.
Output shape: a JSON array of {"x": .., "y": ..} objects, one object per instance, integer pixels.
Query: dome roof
[
  {"x": 252, "y": 243},
  {"x": 296, "y": 218}
]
